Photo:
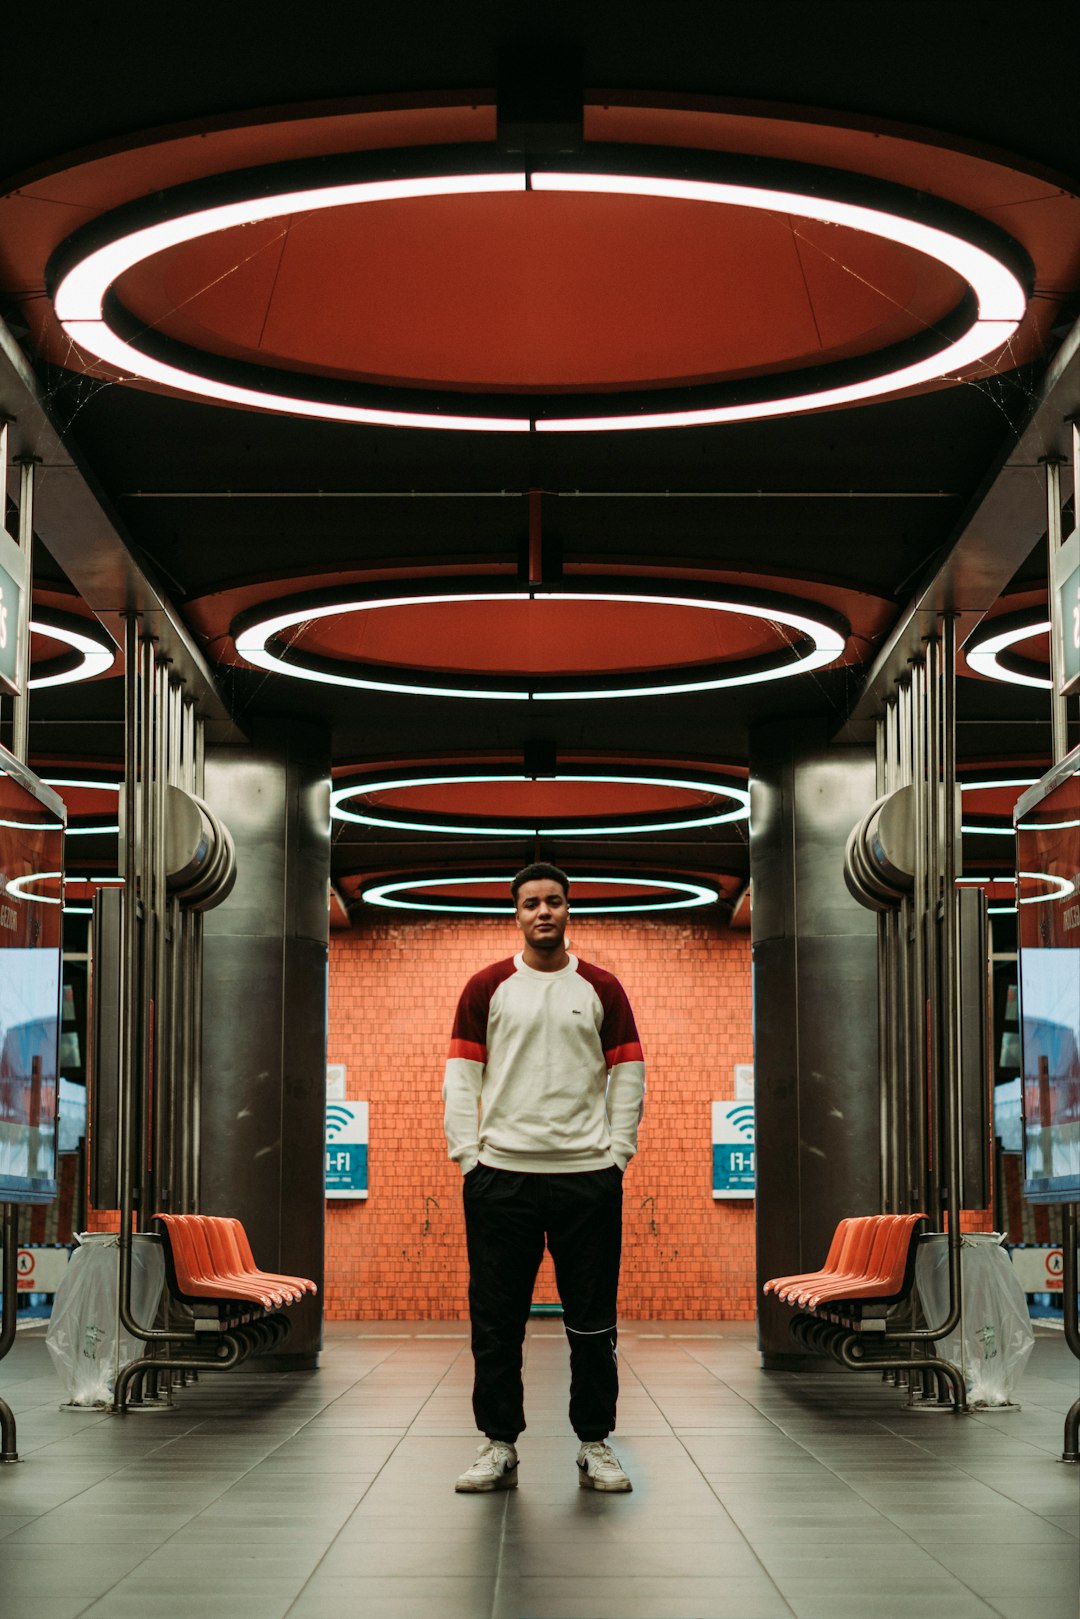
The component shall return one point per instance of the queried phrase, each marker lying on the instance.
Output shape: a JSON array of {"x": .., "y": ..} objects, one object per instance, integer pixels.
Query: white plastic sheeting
[
  {"x": 84, "y": 1339},
  {"x": 995, "y": 1337}
]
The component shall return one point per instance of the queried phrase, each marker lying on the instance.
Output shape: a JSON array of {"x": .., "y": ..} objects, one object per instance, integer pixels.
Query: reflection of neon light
[
  {"x": 983, "y": 656},
  {"x": 81, "y": 295},
  {"x": 1064, "y": 887},
  {"x": 15, "y": 886},
  {"x": 89, "y": 786},
  {"x": 998, "y": 877},
  {"x": 37, "y": 826},
  {"x": 251, "y": 644},
  {"x": 988, "y": 831},
  {"x": 338, "y": 799},
  {"x": 95, "y": 658},
  {"x": 1001, "y": 910},
  {"x": 97, "y": 828},
  {"x": 78, "y": 910},
  {"x": 990, "y": 786},
  {"x": 1046, "y": 826},
  {"x": 383, "y": 894}
]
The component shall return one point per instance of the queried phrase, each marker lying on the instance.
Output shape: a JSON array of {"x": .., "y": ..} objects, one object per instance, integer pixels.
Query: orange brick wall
[{"x": 393, "y": 989}]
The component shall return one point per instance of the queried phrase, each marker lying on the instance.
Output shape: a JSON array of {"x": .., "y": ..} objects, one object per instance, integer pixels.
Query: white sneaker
[
  {"x": 599, "y": 1469},
  {"x": 495, "y": 1468}
]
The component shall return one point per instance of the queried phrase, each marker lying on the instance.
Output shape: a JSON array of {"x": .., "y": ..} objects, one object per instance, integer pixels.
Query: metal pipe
[
  {"x": 1071, "y": 1448},
  {"x": 1059, "y": 709},
  {"x": 147, "y": 1076},
  {"x": 160, "y": 1174},
  {"x": 125, "y": 1127},
  {"x": 851, "y": 1351},
  {"x": 953, "y": 1075},
  {"x": 8, "y": 1441},
  {"x": 931, "y": 1146},
  {"x": 20, "y": 713},
  {"x": 917, "y": 1069},
  {"x": 232, "y": 1351}
]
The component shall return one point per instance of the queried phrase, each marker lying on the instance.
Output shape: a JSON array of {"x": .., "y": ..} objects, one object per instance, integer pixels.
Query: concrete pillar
[
  {"x": 815, "y": 1009},
  {"x": 262, "y": 1118}
]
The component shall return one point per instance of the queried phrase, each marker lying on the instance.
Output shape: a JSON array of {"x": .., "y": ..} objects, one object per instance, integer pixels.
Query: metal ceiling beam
[
  {"x": 994, "y": 536},
  {"x": 73, "y": 519}
]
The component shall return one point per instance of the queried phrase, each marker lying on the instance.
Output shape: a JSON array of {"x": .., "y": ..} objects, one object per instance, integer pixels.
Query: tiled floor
[{"x": 330, "y": 1494}]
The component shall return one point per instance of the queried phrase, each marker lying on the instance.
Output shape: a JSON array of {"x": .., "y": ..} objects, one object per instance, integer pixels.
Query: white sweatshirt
[{"x": 545, "y": 1072}]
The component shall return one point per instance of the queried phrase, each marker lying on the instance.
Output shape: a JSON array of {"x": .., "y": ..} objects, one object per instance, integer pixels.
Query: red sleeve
[
  {"x": 618, "y": 1032},
  {"x": 468, "y": 1037}
]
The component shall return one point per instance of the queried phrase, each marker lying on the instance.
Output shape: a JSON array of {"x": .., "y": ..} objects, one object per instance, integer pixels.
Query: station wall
[{"x": 393, "y": 989}]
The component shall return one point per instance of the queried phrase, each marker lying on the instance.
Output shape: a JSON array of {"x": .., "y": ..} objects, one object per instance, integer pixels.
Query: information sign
[
  {"x": 347, "y": 1149},
  {"x": 733, "y": 1157}
]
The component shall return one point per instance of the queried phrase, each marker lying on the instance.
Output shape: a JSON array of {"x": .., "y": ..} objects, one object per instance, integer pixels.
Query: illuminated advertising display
[
  {"x": 1048, "y": 893},
  {"x": 31, "y": 921}
]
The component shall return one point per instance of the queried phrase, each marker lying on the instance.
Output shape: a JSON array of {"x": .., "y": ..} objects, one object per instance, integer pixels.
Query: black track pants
[{"x": 507, "y": 1218}]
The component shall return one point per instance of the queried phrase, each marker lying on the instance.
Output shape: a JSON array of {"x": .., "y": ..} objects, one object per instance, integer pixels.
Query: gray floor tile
[
  {"x": 756, "y": 1495},
  {"x": 1016, "y": 1570},
  {"x": 556, "y": 1597},
  {"x": 403, "y": 1598}
]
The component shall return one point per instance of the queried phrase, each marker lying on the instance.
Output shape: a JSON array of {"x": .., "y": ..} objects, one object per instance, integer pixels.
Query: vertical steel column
[
  {"x": 128, "y": 975},
  {"x": 885, "y": 997},
  {"x": 160, "y": 1133},
  {"x": 1059, "y": 708},
  {"x": 932, "y": 1136},
  {"x": 1069, "y": 1234},
  {"x": 953, "y": 1110},
  {"x": 20, "y": 714},
  {"x": 920, "y": 904},
  {"x": 196, "y": 925},
  {"x": 8, "y": 1445},
  {"x": 143, "y": 1178}
]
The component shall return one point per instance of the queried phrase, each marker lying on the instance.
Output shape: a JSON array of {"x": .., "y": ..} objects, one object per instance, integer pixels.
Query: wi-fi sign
[
  {"x": 742, "y": 1119},
  {"x": 337, "y": 1119}
]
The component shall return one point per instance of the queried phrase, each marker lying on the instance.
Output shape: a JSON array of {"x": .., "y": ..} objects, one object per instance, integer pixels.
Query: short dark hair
[{"x": 539, "y": 871}]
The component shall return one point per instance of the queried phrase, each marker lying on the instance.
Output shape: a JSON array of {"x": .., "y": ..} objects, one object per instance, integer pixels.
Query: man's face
[{"x": 542, "y": 912}]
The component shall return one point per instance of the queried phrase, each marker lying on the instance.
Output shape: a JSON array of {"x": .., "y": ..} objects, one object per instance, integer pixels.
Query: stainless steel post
[
  {"x": 952, "y": 1154},
  {"x": 931, "y": 1141},
  {"x": 917, "y": 1068},
  {"x": 8, "y": 1443},
  {"x": 20, "y": 714},
  {"x": 1059, "y": 708},
  {"x": 128, "y": 976}
]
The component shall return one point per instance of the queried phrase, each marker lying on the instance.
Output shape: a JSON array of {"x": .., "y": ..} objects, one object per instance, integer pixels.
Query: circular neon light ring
[
  {"x": 696, "y": 894},
  {"x": 984, "y": 655},
  {"x": 252, "y": 645},
  {"x": 84, "y": 272},
  {"x": 739, "y": 796},
  {"x": 96, "y": 658}
]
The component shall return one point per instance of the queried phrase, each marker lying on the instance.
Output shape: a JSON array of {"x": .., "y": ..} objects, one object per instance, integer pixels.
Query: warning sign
[
  {"x": 41, "y": 1270},
  {"x": 1039, "y": 1269}
]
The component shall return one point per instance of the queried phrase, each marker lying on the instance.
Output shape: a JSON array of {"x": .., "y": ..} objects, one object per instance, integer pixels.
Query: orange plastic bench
[{"x": 871, "y": 1262}]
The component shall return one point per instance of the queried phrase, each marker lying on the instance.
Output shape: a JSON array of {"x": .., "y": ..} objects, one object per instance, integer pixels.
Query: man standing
[{"x": 543, "y": 1091}]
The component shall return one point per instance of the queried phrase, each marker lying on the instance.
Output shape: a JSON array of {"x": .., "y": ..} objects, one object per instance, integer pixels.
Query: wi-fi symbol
[
  {"x": 743, "y": 1120},
  {"x": 336, "y": 1120}
]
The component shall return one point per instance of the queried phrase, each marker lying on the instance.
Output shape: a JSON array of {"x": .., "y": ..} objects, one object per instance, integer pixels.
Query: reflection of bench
[
  {"x": 234, "y": 1309},
  {"x": 849, "y": 1308}
]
